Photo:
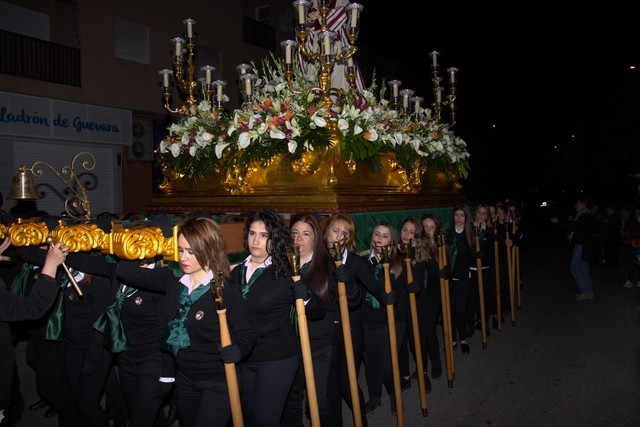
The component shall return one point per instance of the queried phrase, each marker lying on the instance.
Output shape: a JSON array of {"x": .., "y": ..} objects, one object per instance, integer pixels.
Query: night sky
[{"x": 555, "y": 84}]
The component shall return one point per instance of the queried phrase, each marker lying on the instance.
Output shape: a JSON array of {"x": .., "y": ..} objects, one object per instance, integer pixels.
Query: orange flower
[
  {"x": 367, "y": 135},
  {"x": 311, "y": 109},
  {"x": 267, "y": 103}
]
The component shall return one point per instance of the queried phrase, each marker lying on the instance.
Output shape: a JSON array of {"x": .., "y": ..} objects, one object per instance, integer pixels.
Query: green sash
[
  {"x": 19, "y": 284},
  {"x": 176, "y": 336},
  {"x": 368, "y": 297},
  {"x": 55, "y": 322},
  {"x": 110, "y": 323},
  {"x": 246, "y": 287},
  {"x": 453, "y": 246}
]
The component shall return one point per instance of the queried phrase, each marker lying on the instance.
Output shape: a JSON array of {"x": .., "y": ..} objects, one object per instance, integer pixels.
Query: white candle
[
  {"x": 219, "y": 93},
  {"x": 301, "y": 17},
  {"x": 189, "y": 29},
  {"x": 327, "y": 45},
  {"x": 405, "y": 101},
  {"x": 434, "y": 59},
  {"x": 438, "y": 96},
  {"x": 350, "y": 61},
  {"x": 416, "y": 107},
  {"x": 395, "y": 90},
  {"x": 452, "y": 77},
  {"x": 178, "y": 48},
  {"x": 247, "y": 86},
  {"x": 354, "y": 17},
  {"x": 287, "y": 54},
  {"x": 165, "y": 79}
]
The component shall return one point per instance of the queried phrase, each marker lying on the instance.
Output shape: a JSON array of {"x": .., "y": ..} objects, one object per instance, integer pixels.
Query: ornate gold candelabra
[
  {"x": 439, "y": 100},
  {"x": 325, "y": 53},
  {"x": 184, "y": 48},
  {"x": 22, "y": 187}
]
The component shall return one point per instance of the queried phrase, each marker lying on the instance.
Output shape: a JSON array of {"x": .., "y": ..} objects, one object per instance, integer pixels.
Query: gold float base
[{"x": 317, "y": 183}]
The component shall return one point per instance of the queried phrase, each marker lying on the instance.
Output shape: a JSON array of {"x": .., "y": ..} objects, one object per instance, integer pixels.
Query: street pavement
[{"x": 564, "y": 363}]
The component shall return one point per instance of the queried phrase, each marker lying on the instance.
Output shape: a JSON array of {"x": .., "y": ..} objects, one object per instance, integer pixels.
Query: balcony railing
[{"x": 38, "y": 59}]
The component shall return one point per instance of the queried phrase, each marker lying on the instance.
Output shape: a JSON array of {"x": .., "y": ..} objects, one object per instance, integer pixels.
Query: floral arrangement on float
[{"x": 286, "y": 117}]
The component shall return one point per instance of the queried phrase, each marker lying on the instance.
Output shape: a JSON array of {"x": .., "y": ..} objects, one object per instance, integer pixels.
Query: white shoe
[{"x": 628, "y": 284}]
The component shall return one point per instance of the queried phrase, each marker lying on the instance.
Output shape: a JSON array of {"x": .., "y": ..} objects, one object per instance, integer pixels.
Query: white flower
[
  {"x": 175, "y": 150},
  {"x": 220, "y": 148},
  {"x": 357, "y": 130},
  {"x": 244, "y": 140},
  {"x": 292, "y": 145},
  {"x": 318, "y": 120},
  {"x": 343, "y": 125},
  {"x": 277, "y": 134}
]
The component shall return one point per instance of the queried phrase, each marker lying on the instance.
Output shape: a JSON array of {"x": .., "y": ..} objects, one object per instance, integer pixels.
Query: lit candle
[
  {"x": 178, "y": 48},
  {"x": 189, "y": 29},
  {"x": 327, "y": 45},
  {"x": 395, "y": 90},
  {"x": 452, "y": 75},
  {"x": 354, "y": 17},
  {"x": 416, "y": 106},
  {"x": 165, "y": 79},
  {"x": 287, "y": 54},
  {"x": 301, "y": 17},
  {"x": 438, "y": 96},
  {"x": 405, "y": 101},
  {"x": 247, "y": 86},
  {"x": 219, "y": 93},
  {"x": 434, "y": 59}
]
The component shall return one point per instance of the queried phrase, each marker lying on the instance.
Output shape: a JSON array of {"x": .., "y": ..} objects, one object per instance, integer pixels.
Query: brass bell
[{"x": 22, "y": 187}]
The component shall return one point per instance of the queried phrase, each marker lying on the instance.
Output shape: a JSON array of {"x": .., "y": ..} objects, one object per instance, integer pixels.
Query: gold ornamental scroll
[{"x": 125, "y": 243}]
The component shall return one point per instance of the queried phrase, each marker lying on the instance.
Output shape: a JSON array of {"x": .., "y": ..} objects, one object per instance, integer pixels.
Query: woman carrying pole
[
  {"x": 379, "y": 352},
  {"x": 340, "y": 235},
  {"x": 413, "y": 247},
  {"x": 264, "y": 278},
  {"x": 193, "y": 335},
  {"x": 341, "y": 228},
  {"x": 459, "y": 243}
]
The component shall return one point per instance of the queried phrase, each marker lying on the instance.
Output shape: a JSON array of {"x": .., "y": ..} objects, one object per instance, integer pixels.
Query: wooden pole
[
  {"x": 217, "y": 288},
  {"x": 511, "y": 288},
  {"x": 305, "y": 346},
  {"x": 348, "y": 342},
  {"x": 393, "y": 341},
  {"x": 416, "y": 336},
  {"x": 516, "y": 258},
  {"x": 446, "y": 313},
  {"x": 496, "y": 251},
  {"x": 481, "y": 292}
]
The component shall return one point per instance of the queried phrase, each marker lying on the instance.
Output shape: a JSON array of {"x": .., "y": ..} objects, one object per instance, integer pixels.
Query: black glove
[
  {"x": 163, "y": 222},
  {"x": 413, "y": 287},
  {"x": 389, "y": 298},
  {"x": 88, "y": 368},
  {"x": 230, "y": 353},
  {"x": 341, "y": 273},
  {"x": 445, "y": 273},
  {"x": 480, "y": 254},
  {"x": 299, "y": 290}
]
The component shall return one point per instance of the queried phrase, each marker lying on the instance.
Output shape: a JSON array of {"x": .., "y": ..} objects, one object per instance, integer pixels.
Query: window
[{"x": 132, "y": 41}]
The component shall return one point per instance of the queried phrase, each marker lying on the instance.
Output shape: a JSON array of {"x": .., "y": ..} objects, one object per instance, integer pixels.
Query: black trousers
[
  {"x": 459, "y": 293},
  {"x": 265, "y": 388},
  {"x": 377, "y": 356},
  {"x": 87, "y": 389},
  {"x": 143, "y": 392},
  {"x": 53, "y": 384},
  {"x": 202, "y": 403},
  {"x": 339, "y": 387},
  {"x": 321, "y": 358}
]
